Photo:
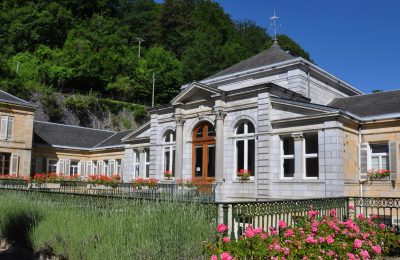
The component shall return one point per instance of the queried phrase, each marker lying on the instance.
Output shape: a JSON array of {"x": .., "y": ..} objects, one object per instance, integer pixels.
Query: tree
[{"x": 286, "y": 43}]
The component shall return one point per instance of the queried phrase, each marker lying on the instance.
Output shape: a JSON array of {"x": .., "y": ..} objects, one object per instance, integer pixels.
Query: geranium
[
  {"x": 244, "y": 174},
  {"x": 104, "y": 180},
  {"x": 378, "y": 174},
  {"x": 168, "y": 174}
]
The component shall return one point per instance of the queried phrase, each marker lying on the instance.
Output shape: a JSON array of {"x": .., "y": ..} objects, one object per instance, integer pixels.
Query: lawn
[{"x": 81, "y": 227}]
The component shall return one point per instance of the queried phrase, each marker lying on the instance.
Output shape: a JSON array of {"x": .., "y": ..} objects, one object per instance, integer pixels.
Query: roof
[
  {"x": 270, "y": 56},
  {"x": 8, "y": 98},
  {"x": 114, "y": 140},
  {"x": 368, "y": 105},
  {"x": 67, "y": 135}
]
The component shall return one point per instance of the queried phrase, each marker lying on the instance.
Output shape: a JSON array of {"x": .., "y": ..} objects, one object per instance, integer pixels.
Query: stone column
[
  {"x": 298, "y": 155},
  {"x": 179, "y": 146},
  {"x": 142, "y": 166},
  {"x": 219, "y": 145}
]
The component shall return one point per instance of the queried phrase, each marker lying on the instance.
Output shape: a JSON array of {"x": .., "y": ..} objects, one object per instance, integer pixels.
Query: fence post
[{"x": 225, "y": 210}]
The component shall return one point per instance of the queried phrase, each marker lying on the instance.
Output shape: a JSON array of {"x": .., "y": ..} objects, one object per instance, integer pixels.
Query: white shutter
[
  {"x": 61, "y": 166},
  {"x": 81, "y": 168},
  {"x": 3, "y": 127},
  {"x": 14, "y": 164},
  {"x": 10, "y": 127},
  {"x": 67, "y": 167},
  {"x": 100, "y": 170},
  {"x": 393, "y": 159},
  {"x": 365, "y": 160},
  {"x": 111, "y": 167},
  {"x": 89, "y": 168}
]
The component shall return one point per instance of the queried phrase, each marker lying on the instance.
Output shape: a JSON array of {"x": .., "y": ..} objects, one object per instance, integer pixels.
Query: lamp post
[{"x": 140, "y": 40}]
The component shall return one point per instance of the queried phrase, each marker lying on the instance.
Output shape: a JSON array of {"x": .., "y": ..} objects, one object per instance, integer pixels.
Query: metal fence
[{"x": 162, "y": 191}]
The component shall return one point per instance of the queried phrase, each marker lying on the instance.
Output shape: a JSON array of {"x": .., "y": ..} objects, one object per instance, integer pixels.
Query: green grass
[{"x": 80, "y": 227}]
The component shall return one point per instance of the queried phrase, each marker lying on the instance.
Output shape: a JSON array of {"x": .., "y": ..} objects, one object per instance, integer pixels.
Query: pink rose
[
  {"x": 321, "y": 240},
  {"x": 226, "y": 256},
  {"x": 332, "y": 212},
  {"x": 361, "y": 216},
  {"x": 329, "y": 240},
  {"x": 222, "y": 228},
  {"x": 382, "y": 226},
  {"x": 214, "y": 257},
  {"x": 377, "y": 249},
  {"x": 312, "y": 213},
  {"x": 350, "y": 256},
  {"x": 358, "y": 243},
  {"x": 344, "y": 246},
  {"x": 286, "y": 251},
  {"x": 289, "y": 233},
  {"x": 351, "y": 206},
  {"x": 364, "y": 254},
  {"x": 226, "y": 239},
  {"x": 311, "y": 240},
  {"x": 282, "y": 224}
]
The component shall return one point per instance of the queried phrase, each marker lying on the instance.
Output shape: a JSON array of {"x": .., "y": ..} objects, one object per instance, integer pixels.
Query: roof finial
[{"x": 274, "y": 27}]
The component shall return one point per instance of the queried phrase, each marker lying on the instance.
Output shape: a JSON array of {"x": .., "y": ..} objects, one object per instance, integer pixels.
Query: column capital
[
  {"x": 220, "y": 114},
  {"x": 298, "y": 136},
  {"x": 141, "y": 149},
  {"x": 180, "y": 120}
]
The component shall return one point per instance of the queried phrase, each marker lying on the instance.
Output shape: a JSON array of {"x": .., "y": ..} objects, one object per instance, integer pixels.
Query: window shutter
[
  {"x": 393, "y": 159},
  {"x": 89, "y": 169},
  {"x": 14, "y": 164},
  {"x": 67, "y": 167},
  {"x": 39, "y": 165},
  {"x": 100, "y": 170},
  {"x": 111, "y": 167},
  {"x": 364, "y": 160},
  {"x": 10, "y": 127},
  {"x": 3, "y": 127},
  {"x": 81, "y": 168},
  {"x": 61, "y": 166}
]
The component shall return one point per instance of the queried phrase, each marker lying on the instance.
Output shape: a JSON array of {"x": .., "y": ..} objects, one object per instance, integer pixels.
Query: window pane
[
  {"x": 379, "y": 148},
  {"x": 211, "y": 161},
  {"x": 240, "y": 129},
  {"x": 375, "y": 162},
  {"x": 312, "y": 167},
  {"x": 199, "y": 133},
  {"x": 198, "y": 171},
  {"x": 211, "y": 130},
  {"x": 166, "y": 160},
  {"x": 173, "y": 137},
  {"x": 311, "y": 143},
  {"x": 250, "y": 156},
  {"x": 250, "y": 128},
  {"x": 288, "y": 167},
  {"x": 288, "y": 146},
  {"x": 167, "y": 137},
  {"x": 240, "y": 155},
  {"x": 385, "y": 163}
]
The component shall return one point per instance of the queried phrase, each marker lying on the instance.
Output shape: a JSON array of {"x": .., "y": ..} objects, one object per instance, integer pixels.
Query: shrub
[{"x": 312, "y": 238}]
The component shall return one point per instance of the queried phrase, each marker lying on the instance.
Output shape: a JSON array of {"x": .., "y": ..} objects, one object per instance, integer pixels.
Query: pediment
[{"x": 196, "y": 92}]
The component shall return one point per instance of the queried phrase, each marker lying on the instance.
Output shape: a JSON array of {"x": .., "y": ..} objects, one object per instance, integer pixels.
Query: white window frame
[
  {"x": 48, "y": 165},
  {"x": 310, "y": 155},
  {"x": 379, "y": 155},
  {"x": 5, "y": 123},
  {"x": 246, "y": 136},
  {"x": 287, "y": 156},
  {"x": 136, "y": 163},
  {"x": 74, "y": 169},
  {"x": 118, "y": 166},
  {"x": 169, "y": 147}
]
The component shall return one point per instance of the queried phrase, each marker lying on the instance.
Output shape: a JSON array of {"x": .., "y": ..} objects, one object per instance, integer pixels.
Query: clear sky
[{"x": 355, "y": 40}]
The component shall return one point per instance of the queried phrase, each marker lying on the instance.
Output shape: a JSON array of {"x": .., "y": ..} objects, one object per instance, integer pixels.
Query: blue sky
[{"x": 357, "y": 41}]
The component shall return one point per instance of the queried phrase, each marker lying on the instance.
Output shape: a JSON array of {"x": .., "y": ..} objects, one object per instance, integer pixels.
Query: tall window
[
  {"x": 106, "y": 170},
  {"x": 6, "y": 127},
  {"x": 5, "y": 163},
  {"x": 118, "y": 166},
  {"x": 288, "y": 157},
  {"x": 52, "y": 165},
  {"x": 73, "y": 168},
  {"x": 169, "y": 151},
  {"x": 136, "y": 163},
  {"x": 245, "y": 146},
  {"x": 379, "y": 156},
  {"x": 311, "y": 155}
]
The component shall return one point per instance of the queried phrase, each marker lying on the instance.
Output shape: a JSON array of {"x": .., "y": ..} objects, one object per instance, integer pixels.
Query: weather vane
[{"x": 274, "y": 27}]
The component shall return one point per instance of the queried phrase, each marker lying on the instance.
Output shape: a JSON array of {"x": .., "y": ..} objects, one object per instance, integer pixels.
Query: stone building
[{"x": 298, "y": 130}]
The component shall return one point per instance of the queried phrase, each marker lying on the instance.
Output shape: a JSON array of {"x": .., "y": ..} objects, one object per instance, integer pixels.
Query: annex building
[{"x": 298, "y": 130}]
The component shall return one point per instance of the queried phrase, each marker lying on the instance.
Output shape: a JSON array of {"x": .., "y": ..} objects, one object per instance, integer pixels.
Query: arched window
[
  {"x": 169, "y": 151},
  {"x": 245, "y": 146}
]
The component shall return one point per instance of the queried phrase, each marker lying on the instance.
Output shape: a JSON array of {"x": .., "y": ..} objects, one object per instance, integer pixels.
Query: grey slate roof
[
  {"x": 115, "y": 139},
  {"x": 46, "y": 133},
  {"x": 270, "y": 56},
  {"x": 370, "y": 104},
  {"x": 8, "y": 98}
]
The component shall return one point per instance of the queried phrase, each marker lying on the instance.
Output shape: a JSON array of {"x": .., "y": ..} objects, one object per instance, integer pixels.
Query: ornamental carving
[
  {"x": 298, "y": 137},
  {"x": 220, "y": 114},
  {"x": 179, "y": 120}
]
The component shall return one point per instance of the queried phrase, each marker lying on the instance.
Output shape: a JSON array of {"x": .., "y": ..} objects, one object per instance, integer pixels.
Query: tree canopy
[{"x": 85, "y": 46}]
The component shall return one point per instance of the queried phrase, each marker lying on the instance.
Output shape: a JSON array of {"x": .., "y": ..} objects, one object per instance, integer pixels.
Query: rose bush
[{"x": 313, "y": 237}]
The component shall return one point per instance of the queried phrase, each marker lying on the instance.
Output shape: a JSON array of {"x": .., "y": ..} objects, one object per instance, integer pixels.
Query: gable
[{"x": 196, "y": 92}]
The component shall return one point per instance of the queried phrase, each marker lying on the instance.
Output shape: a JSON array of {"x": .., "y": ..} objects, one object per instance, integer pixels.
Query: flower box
[{"x": 243, "y": 175}]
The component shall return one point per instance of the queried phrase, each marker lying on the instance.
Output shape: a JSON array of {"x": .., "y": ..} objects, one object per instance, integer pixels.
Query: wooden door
[{"x": 203, "y": 155}]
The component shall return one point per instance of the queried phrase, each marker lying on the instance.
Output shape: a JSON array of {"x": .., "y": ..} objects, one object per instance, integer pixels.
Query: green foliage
[
  {"x": 51, "y": 107},
  {"x": 126, "y": 123},
  {"x": 70, "y": 45},
  {"x": 106, "y": 228}
]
